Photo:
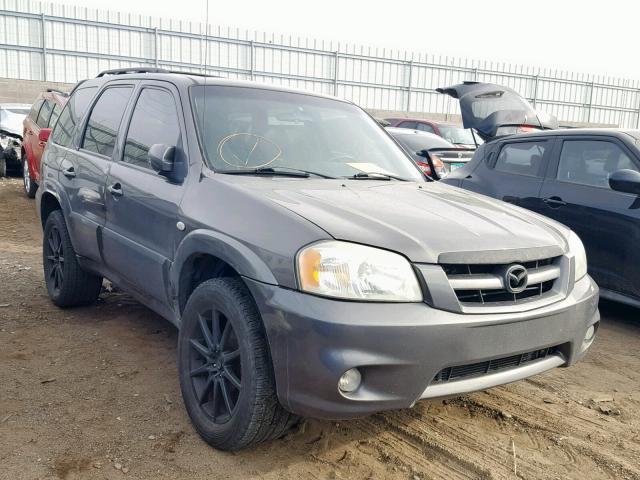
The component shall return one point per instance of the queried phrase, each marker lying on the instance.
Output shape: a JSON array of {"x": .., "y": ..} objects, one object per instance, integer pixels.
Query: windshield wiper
[
  {"x": 375, "y": 176},
  {"x": 282, "y": 171}
]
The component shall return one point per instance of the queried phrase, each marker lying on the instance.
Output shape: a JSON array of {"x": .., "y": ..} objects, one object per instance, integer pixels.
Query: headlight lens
[
  {"x": 357, "y": 272},
  {"x": 579, "y": 254}
]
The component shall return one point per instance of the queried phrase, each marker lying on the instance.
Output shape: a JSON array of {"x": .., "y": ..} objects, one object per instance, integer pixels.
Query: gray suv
[{"x": 310, "y": 268}]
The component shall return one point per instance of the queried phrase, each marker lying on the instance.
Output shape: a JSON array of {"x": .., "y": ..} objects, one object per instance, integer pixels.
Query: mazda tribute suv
[{"x": 310, "y": 267}]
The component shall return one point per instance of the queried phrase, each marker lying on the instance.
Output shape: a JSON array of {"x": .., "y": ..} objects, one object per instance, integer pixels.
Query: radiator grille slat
[{"x": 472, "y": 370}]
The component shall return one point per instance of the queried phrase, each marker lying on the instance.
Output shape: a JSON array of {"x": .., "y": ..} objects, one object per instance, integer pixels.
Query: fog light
[
  {"x": 350, "y": 380},
  {"x": 591, "y": 331}
]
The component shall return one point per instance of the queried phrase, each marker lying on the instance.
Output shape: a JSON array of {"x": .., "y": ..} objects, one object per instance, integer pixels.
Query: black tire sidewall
[
  {"x": 55, "y": 220},
  {"x": 220, "y": 294}
]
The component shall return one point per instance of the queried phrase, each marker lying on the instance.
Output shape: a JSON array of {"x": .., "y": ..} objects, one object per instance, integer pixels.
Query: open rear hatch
[{"x": 493, "y": 110}]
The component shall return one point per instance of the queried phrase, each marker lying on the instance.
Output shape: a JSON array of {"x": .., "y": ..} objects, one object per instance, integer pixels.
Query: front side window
[
  {"x": 248, "y": 128},
  {"x": 154, "y": 120},
  {"x": 523, "y": 158},
  {"x": 590, "y": 162},
  {"x": 104, "y": 121},
  {"x": 45, "y": 113},
  {"x": 71, "y": 115}
]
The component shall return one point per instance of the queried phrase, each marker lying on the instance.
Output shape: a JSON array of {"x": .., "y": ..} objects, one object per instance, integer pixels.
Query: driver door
[{"x": 577, "y": 193}]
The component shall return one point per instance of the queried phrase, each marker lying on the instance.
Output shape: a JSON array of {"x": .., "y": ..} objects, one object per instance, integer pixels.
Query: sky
[{"x": 582, "y": 36}]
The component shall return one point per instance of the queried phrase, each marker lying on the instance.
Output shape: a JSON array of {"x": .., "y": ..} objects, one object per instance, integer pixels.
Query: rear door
[
  {"x": 141, "y": 232},
  {"x": 577, "y": 193},
  {"x": 513, "y": 171},
  {"x": 84, "y": 171},
  {"x": 31, "y": 129}
]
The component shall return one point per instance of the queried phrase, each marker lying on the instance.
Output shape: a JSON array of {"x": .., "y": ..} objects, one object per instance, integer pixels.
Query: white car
[{"x": 11, "y": 117}]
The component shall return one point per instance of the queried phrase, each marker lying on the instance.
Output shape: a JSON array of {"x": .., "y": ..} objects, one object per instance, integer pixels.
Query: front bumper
[{"x": 399, "y": 348}]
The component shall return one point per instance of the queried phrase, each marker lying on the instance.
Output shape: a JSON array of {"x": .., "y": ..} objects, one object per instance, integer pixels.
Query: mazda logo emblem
[{"x": 516, "y": 279}]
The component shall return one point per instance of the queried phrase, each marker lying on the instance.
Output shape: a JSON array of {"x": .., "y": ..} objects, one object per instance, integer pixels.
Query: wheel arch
[
  {"x": 205, "y": 254},
  {"x": 49, "y": 202}
]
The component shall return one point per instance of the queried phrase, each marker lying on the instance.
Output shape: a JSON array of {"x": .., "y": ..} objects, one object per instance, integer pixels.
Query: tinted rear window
[
  {"x": 521, "y": 158},
  {"x": 102, "y": 128}
]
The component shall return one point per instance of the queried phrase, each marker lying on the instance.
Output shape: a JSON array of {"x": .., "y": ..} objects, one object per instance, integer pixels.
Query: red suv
[{"x": 37, "y": 128}]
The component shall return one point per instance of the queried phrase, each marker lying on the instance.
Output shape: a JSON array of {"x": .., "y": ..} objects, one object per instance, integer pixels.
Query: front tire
[
  {"x": 225, "y": 370},
  {"x": 67, "y": 283},
  {"x": 30, "y": 186}
]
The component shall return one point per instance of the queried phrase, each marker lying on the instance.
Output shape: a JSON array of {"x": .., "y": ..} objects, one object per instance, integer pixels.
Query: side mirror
[
  {"x": 44, "y": 135},
  {"x": 627, "y": 181},
  {"x": 161, "y": 157}
]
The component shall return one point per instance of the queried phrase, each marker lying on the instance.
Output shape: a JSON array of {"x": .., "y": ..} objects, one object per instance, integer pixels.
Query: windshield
[
  {"x": 249, "y": 128},
  {"x": 456, "y": 135}
]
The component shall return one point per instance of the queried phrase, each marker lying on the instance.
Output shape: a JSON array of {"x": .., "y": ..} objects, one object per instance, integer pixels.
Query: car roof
[
  {"x": 424, "y": 120},
  {"x": 410, "y": 131},
  {"x": 186, "y": 79},
  {"x": 570, "y": 132}
]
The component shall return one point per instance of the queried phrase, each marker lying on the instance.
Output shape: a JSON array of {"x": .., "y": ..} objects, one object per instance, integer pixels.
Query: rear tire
[
  {"x": 67, "y": 283},
  {"x": 30, "y": 186},
  {"x": 225, "y": 369}
]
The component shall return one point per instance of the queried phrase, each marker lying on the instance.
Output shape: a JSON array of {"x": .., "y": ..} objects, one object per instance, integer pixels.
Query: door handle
[
  {"x": 554, "y": 202},
  {"x": 69, "y": 172},
  {"x": 115, "y": 190}
]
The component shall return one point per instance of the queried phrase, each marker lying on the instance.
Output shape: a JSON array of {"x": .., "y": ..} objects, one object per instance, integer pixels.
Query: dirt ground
[{"x": 93, "y": 393}]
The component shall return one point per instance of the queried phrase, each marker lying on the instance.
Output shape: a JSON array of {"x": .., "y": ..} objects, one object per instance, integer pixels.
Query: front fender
[{"x": 240, "y": 257}]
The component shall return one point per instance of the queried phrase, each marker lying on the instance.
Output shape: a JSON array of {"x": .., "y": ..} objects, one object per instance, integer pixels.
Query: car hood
[
  {"x": 488, "y": 108},
  {"x": 423, "y": 221}
]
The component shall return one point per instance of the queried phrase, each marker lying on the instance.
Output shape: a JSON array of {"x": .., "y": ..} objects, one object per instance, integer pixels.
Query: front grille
[
  {"x": 485, "y": 283},
  {"x": 479, "y": 369}
]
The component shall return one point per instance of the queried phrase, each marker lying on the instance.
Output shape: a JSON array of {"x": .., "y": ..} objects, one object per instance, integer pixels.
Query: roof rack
[
  {"x": 56, "y": 90},
  {"x": 123, "y": 71}
]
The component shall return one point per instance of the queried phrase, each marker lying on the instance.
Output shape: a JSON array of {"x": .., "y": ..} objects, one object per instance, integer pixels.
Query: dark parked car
[
  {"x": 587, "y": 179},
  {"x": 36, "y": 130},
  {"x": 310, "y": 268},
  {"x": 452, "y": 133},
  {"x": 434, "y": 155}
]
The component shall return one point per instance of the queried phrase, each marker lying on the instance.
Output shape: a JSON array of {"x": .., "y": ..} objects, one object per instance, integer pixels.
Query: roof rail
[
  {"x": 122, "y": 71},
  {"x": 56, "y": 90}
]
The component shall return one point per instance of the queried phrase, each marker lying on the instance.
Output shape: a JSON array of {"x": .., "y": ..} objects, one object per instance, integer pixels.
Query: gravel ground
[{"x": 93, "y": 393}]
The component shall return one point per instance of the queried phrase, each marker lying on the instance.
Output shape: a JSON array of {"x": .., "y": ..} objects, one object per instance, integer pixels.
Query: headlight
[
  {"x": 579, "y": 255},
  {"x": 357, "y": 272}
]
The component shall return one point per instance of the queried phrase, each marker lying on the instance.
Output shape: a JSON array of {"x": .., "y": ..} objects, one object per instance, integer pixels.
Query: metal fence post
[
  {"x": 155, "y": 44},
  {"x": 590, "y": 102},
  {"x": 43, "y": 37},
  {"x": 335, "y": 73},
  {"x": 535, "y": 91},
  {"x": 251, "y": 59},
  {"x": 410, "y": 65}
]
